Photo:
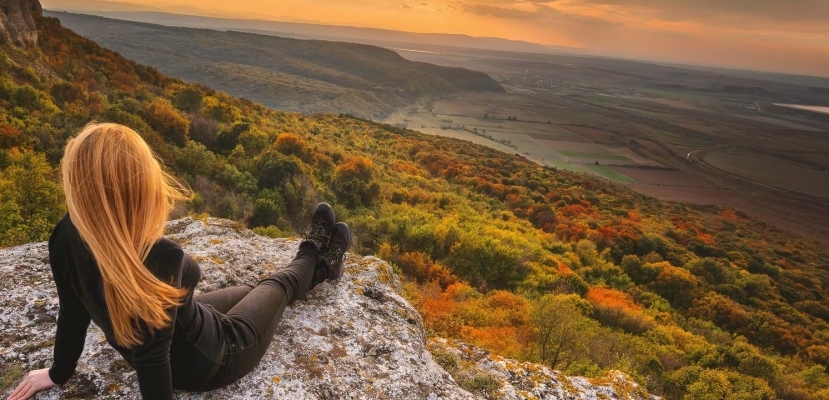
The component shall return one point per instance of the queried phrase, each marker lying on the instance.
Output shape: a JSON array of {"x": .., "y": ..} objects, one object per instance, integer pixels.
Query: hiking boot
[
  {"x": 321, "y": 225},
  {"x": 330, "y": 265}
]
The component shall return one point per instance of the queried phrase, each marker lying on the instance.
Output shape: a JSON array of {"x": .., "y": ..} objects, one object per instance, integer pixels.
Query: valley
[
  {"x": 710, "y": 137},
  {"x": 673, "y": 133}
]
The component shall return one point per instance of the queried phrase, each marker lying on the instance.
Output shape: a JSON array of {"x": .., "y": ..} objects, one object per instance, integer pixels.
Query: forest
[{"x": 530, "y": 262}]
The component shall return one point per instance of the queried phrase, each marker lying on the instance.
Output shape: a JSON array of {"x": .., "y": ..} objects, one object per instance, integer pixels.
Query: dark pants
[{"x": 251, "y": 314}]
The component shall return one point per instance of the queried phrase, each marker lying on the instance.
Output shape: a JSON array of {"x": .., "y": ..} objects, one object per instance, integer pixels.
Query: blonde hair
[{"x": 119, "y": 198}]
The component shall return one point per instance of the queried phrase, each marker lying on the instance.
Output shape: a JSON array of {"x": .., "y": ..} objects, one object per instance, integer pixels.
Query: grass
[
  {"x": 471, "y": 380},
  {"x": 445, "y": 359},
  {"x": 10, "y": 376},
  {"x": 593, "y": 155},
  {"x": 610, "y": 173},
  {"x": 481, "y": 384}
]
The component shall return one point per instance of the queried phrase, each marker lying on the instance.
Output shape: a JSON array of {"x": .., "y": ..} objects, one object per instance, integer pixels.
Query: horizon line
[{"x": 590, "y": 52}]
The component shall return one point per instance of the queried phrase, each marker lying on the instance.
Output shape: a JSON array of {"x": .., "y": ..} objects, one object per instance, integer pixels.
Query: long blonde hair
[{"x": 119, "y": 198}]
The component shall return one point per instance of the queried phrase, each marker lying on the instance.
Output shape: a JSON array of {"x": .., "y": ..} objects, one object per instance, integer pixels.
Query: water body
[{"x": 817, "y": 109}]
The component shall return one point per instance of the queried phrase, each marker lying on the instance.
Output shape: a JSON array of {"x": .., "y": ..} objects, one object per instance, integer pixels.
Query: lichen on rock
[
  {"x": 474, "y": 368},
  {"x": 355, "y": 338}
]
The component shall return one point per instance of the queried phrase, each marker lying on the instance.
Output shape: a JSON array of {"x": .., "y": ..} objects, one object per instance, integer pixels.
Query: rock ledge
[{"x": 356, "y": 338}]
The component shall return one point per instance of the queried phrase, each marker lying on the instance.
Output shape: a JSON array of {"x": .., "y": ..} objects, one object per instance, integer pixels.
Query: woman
[{"x": 112, "y": 266}]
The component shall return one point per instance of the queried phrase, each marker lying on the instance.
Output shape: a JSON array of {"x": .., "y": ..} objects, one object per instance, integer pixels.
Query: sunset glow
[{"x": 769, "y": 35}]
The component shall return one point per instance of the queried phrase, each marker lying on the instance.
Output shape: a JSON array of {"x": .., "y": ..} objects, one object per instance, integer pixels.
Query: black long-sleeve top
[{"x": 183, "y": 356}]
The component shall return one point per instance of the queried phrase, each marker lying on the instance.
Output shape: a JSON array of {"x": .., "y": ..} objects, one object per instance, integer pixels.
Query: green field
[
  {"x": 593, "y": 155},
  {"x": 611, "y": 173},
  {"x": 566, "y": 166}
]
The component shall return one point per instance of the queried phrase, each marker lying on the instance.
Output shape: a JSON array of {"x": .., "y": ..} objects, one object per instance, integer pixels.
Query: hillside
[
  {"x": 288, "y": 74},
  {"x": 529, "y": 262}
]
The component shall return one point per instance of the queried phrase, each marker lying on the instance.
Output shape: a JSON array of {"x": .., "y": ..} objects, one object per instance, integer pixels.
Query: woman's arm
[
  {"x": 73, "y": 322},
  {"x": 151, "y": 361}
]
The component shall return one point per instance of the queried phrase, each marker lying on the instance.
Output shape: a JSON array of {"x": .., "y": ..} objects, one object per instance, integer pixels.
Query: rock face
[
  {"x": 355, "y": 338},
  {"x": 17, "y": 25}
]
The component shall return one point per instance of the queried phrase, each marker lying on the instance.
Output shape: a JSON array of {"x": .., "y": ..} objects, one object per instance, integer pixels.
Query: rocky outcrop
[
  {"x": 17, "y": 24},
  {"x": 495, "y": 377},
  {"x": 355, "y": 338}
]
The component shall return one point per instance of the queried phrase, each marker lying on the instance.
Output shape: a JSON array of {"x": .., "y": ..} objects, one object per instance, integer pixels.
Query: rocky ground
[{"x": 355, "y": 338}]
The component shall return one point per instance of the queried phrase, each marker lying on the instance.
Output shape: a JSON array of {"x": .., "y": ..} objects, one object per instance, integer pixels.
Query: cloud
[
  {"x": 500, "y": 12},
  {"x": 536, "y": 13},
  {"x": 724, "y": 10},
  {"x": 406, "y": 6}
]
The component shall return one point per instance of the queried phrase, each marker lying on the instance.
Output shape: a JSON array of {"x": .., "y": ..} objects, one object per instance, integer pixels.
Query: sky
[{"x": 789, "y": 36}]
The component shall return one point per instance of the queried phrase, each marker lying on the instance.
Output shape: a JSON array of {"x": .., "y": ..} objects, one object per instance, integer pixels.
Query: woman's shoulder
[
  {"x": 165, "y": 247},
  {"x": 64, "y": 234},
  {"x": 64, "y": 225}
]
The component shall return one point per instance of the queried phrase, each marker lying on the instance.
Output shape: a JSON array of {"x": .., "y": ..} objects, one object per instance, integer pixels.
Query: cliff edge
[
  {"x": 355, "y": 338},
  {"x": 17, "y": 24}
]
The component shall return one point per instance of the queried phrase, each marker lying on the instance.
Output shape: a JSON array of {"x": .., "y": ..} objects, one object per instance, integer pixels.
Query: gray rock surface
[
  {"x": 525, "y": 381},
  {"x": 355, "y": 338},
  {"x": 17, "y": 24}
]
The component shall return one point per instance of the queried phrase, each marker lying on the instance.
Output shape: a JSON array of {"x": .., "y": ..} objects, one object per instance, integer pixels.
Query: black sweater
[{"x": 182, "y": 356}]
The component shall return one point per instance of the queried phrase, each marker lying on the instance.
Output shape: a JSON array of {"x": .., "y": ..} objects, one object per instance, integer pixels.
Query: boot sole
[{"x": 324, "y": 209}]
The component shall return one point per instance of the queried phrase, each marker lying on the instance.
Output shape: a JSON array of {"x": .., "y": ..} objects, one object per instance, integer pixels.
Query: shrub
[
  {"x": 353, "y": 183},
  {"x": 167, "y": 121}
]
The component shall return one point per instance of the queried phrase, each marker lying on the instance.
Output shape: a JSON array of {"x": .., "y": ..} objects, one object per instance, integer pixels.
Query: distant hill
[
  {"x": 201, "y": 18},
  {"x": 289, "y": 74}
]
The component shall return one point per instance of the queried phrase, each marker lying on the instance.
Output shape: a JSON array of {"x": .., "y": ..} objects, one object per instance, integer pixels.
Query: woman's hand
[{"x": 36, "y": 381}]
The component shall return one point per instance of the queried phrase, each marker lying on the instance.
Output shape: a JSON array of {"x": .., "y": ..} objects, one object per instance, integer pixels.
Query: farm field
[
  {"x": 665, "y": 177},
  {"x": 611, "y": 173},
  {"x": 533, "y": 135},
  {"x": 785, "y": 123},
  {"x": 602, "y": 156},
  {"x": 770, "y": 170}
]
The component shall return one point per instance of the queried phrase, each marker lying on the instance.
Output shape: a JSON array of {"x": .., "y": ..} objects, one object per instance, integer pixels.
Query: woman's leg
[
  {"x": 223, "y": 300},
  {"x": 250, "y": 324}
]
